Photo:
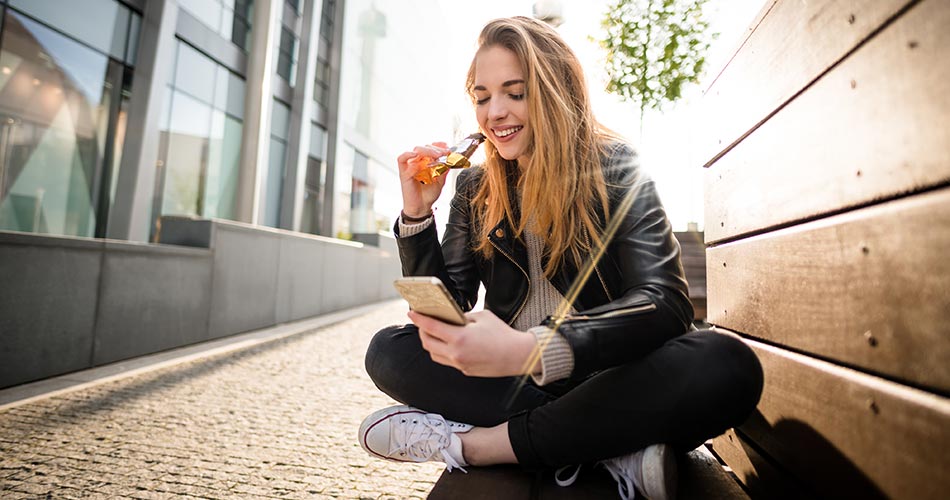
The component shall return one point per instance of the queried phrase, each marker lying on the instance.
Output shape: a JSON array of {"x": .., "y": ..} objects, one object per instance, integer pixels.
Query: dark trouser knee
[
  {"x": 390, "y": 350},
  {"x": 739, "y": 377},
  {"x": 401, "y": 368}
]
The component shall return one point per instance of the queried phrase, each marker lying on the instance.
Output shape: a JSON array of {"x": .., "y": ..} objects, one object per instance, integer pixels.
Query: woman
[{"x": 621, "y": 381}]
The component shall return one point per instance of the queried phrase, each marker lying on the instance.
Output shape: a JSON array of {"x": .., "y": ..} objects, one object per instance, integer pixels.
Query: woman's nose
[{"x": 497, "y": 110}]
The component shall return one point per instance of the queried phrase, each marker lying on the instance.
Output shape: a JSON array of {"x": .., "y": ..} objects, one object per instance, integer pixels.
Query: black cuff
[{"x": 414, "y": 220}]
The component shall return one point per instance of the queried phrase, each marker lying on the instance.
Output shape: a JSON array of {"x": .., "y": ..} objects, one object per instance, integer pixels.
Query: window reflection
[
  {"x": 228, "y": 18},
  {"x": 361, "y": 199},
  {"x": 201, "y": 138},
  {"x": 321, "y": 89},
  {"x": 342, "y": 191},
  {"x": 311, "y": 221},
  {"x": 187, "y": 157},
  {"x": 72, "y": 17},
  {"x": 280, "y": 130},
  {"x": 55, "y": 117},
  {"x": 287, "y": 56}
]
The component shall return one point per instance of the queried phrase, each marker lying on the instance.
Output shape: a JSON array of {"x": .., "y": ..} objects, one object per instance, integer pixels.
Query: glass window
[
  {"x": 228, "y": 18},
  {"x": 201, "y": 142},
  {"x": 376, "y": 40},
  {"x": 310, "y": 221},
  {"x": 120, "y": 33},
  {"x": 326, "y": 19},
  {"x": 241, "y": 26},
  {"x": 386, "y": 201},
  {"x": 54, "y": 115},
  {"x": 186, "y": 160},
  {"x": 73, "y": 18},
  {"x": 227, "y": 23},
  {"x": 361, "y": 200},
  {"x": 321, "y": 88},
  {"x": 275, "y": 177},
  {"x": 206, "y": 11},
  {"x": 223, "y": 166},
  {"x": 121, "y": 122},
  {"x": 195, "y": 73},
  {"x": 342, "y": 190},
  {"x": 220, "y": 87},
  {"x": 318, "y": 141},
  {"x": 236, "y": 89},
  {"x": 287, "y": 56},
  {"x": 280, "y": 120},
  {"x": 135, "y": 27},
  {"x": 321, "y": 84},
  {"x": 276, "y": 165},
  {"x": 229, "y": 92}
]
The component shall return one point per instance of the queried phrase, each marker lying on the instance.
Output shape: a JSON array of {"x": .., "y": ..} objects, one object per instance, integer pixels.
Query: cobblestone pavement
[{"x": 275, "y": 421}]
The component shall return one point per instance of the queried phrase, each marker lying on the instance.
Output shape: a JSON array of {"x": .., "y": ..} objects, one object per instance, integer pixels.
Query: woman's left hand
[{"x": 485, "y": 347}]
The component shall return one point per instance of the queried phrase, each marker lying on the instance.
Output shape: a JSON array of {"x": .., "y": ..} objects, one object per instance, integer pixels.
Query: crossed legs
[{"x": 692, "y": 388}]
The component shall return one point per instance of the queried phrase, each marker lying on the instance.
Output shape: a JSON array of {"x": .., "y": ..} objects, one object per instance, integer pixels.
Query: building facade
[
  {"x": 280, "y": 113},
  {"x": 207, "y": 108},
  {"x": 225, "y": 131}
]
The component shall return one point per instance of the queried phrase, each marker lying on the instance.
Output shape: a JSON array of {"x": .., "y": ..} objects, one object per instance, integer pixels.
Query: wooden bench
[
  {"x": 700, "y": 477},
  {"x": 827, "y": 226}
]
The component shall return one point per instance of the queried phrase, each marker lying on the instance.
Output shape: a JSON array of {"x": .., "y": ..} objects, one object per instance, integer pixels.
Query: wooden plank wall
[{"x": 827, "y": 145}]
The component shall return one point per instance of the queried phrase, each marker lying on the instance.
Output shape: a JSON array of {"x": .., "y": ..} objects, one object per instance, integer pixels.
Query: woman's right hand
[{"x": 418, "y": 198}]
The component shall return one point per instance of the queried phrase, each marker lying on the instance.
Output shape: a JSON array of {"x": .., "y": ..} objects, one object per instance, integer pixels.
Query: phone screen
[{"x": 427, "y": 295}]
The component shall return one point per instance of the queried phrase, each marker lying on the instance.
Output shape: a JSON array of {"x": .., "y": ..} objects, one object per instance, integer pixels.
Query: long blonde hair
[{"x": 562, "y": 187}]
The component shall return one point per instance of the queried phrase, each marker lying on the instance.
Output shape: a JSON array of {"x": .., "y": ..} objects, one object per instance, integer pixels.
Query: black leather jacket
[{"x": 635, "y": 301}]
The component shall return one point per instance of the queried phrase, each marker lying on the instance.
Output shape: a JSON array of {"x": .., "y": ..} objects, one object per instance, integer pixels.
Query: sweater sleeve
[
  {"x": 557, "y": 358},
  {"x": 406, "y": 230}
]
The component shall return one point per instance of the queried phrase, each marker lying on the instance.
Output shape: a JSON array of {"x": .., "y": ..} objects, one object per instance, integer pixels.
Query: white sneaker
[
  {"x": 406, "y": 434},
  {"x": 651, "y": 470}
]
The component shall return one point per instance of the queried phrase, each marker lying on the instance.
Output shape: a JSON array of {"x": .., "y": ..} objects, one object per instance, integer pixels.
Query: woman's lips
[{"x": 506, "y": 138}]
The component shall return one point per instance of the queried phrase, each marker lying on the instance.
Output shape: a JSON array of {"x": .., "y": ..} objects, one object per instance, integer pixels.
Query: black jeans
[{"x": 694, "y": 387}]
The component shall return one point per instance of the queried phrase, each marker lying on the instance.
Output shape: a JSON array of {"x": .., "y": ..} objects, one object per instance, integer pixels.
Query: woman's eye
[
  {"x": 517, "y": 97},
  {"x": 481, "y": 101}
]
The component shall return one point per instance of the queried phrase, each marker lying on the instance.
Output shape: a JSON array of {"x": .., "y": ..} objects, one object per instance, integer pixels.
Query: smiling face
[{"x": 500, "y": 104}]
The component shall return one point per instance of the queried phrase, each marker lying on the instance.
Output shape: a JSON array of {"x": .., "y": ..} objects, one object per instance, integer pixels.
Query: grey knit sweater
[{"x": 557, "y": 358}]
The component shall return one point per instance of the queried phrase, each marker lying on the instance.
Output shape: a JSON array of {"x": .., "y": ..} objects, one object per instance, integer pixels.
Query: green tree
[{"x": 654, "y": 48}]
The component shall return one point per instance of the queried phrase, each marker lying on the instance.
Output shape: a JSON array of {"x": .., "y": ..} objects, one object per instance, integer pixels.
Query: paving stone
[{"x": 275, "y": 421}]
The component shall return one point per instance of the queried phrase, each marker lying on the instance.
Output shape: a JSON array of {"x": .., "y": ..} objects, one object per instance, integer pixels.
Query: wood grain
[
  {"x": 792, "y": 44},
  {"x": 869, "y": 288},
  {"x": 847, "y": 434},
  {"x": 876, "y": 126}
]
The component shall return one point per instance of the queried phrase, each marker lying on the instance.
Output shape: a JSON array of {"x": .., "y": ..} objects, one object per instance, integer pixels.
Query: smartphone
[{"x": 427, "y": 295}]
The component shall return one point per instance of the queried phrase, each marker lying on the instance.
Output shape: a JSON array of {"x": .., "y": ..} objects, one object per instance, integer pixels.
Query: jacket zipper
[
  {"x": 597, "y": 270},
  {"x": 615, "y": 312},
  {"x": 526, "y": 277}
]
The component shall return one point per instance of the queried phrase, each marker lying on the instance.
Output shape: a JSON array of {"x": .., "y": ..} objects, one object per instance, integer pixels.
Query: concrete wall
[
  {"x": 151, "y": 298},
  {"x": 48, "y": 296},
  {"x": 72, "y": 303},
  {"x": 263, "y": 276}
]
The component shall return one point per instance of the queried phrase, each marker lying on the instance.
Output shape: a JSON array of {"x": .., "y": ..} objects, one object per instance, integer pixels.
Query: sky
[{"x": 665, "y": 142}]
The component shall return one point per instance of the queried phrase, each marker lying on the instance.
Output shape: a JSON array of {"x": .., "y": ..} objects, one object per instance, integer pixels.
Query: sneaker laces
[
  {"x": 424, "y": 437},
  {"x": 569, "y": 480},
  {"x": 619, "y": 468}
]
